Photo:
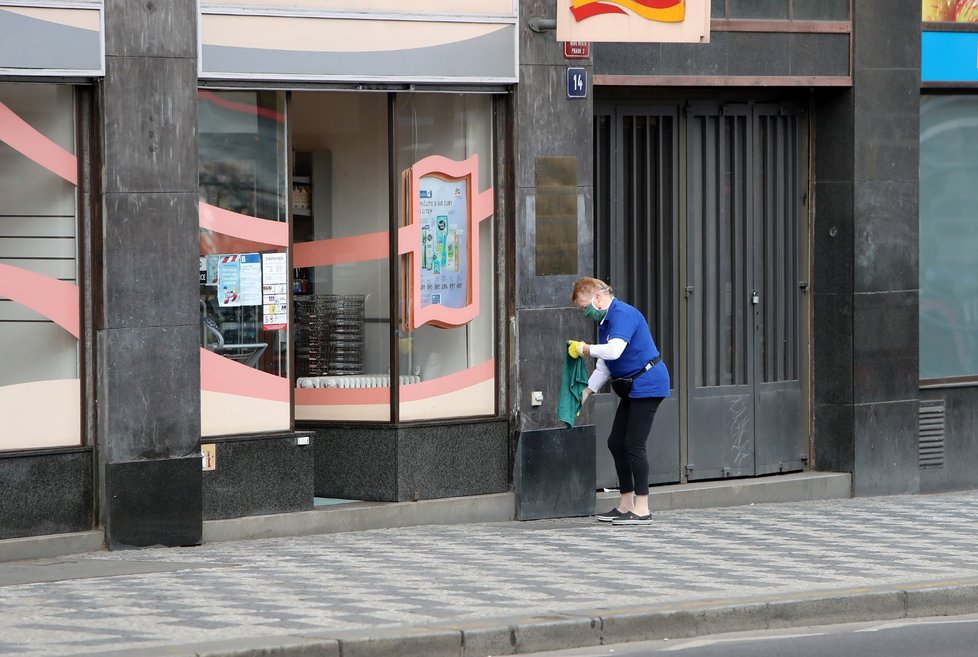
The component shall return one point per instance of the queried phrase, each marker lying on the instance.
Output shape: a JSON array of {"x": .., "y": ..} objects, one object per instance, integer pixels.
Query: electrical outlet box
[{"x": 536, "y": 397}]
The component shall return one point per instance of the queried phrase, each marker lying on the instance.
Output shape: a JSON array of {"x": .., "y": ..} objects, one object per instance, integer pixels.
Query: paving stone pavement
[{"x": 433, "y": 574}]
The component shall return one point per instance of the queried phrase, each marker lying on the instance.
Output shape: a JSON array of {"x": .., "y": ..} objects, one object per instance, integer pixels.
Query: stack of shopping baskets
[{"x": 329, "y": 334}]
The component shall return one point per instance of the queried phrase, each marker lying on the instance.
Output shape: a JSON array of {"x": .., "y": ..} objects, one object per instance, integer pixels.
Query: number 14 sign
[{"x": 576, "y": 82}]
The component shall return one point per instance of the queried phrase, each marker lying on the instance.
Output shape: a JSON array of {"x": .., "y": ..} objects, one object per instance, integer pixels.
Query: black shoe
[
  {"x": 629, "y": 518},
  {"x": 609, "y": 516}
]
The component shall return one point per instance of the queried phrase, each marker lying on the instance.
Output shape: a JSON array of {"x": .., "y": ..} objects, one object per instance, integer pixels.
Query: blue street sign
[{"x": 576, "y": 82}]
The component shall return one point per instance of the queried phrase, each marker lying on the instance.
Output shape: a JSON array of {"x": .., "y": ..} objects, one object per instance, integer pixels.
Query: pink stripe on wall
[
  {"x": 321, "y": 253},
  {"x": 484, "y": 371},
  {"x": 24, "y": 139},
  {"x": 57, "y": 300},
  {"x": 264, "y": 231},
  {"x": 220, "y": 374}
]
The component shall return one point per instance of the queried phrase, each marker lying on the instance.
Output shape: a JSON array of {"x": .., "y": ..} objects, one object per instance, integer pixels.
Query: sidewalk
[{"x": 504, "y": 587}]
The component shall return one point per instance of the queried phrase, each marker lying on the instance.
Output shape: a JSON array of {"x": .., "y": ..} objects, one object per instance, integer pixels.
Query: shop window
[
  {"x": 341, "y": 216},
  {"x": 39, "y": 301},
  {"x": 948, "y": 237},
  {"x": 447, "y": 325},
  {"x": 244, "y": 272}
]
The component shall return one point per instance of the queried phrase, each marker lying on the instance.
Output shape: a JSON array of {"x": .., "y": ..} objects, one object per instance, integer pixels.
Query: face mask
[{"x": 593, "y": 313}]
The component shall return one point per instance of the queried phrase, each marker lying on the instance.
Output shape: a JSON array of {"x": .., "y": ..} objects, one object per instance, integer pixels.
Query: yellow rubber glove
[{"x": 575, "y": 348}]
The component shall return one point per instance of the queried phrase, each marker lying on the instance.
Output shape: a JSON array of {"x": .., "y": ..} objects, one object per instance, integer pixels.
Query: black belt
[{"x": 652, "y": 363}]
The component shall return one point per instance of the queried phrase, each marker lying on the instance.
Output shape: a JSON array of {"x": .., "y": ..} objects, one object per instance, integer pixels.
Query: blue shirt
[{"x": 627, "y": 323}]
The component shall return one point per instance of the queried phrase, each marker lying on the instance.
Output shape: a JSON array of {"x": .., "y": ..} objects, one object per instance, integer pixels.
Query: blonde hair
[{"x": 586, "y": 287}]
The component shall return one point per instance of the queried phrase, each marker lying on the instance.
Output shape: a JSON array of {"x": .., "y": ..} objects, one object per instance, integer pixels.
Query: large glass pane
[
  {"x": 828, "y": 10},
  {"x": 948, "y": 236},
  {"x": 244, "y": 275},
  {"x": 766, "y": 9},
  {"x": 39, "y": 309},
  {"x": 447, "y": 336},
  {"x": 717, "y": 9},
  {"x": 341, "y": 216}
]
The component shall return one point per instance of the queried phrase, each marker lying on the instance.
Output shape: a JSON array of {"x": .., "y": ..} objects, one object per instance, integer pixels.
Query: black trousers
[{"x": 629, "y": 432}]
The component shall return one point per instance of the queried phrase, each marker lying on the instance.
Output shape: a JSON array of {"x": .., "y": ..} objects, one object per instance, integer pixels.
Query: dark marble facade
[
  {"x": 258, "y": 475},
  {"x": 554, "y": 473},
  {"x": 412, "y": 462},
  {"x": 46, "y": 492},
  {"x": 153, "y": 502},
  {"x": 960, "y": 441}
]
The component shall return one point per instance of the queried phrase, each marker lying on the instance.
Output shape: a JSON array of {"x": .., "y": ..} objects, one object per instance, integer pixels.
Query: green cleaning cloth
[{"x": 573, "y": 381}]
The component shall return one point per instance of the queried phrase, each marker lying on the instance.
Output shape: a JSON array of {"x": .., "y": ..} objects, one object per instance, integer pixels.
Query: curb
[{"x": 602, "y": 626}]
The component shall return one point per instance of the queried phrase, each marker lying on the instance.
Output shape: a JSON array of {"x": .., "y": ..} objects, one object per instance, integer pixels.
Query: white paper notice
[{"x": 275, "y": 296}]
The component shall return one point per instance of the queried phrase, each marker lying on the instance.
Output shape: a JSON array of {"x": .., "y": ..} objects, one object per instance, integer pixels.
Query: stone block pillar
[{"x": 147, "y": 332}]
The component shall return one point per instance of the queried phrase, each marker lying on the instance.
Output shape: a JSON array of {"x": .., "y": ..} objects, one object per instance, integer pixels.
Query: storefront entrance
[{"x": 699, "y": 215}]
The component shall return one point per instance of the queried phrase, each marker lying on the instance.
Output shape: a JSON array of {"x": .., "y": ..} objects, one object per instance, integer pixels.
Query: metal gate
[
  {"x": 743, "y": 291},
  {"x": 739, "y": 377}
]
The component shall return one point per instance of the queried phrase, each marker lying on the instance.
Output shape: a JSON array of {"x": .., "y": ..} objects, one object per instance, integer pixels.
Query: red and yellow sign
[
  {"x": 666, "y": 11},
  {"x": 650, "y": 21}
]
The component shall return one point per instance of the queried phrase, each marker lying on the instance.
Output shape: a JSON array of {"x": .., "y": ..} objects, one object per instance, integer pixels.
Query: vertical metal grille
[
  {"x": 603, "y": 194},
  {"x": 636, "y": 213},
  {"x": 778, "y": 205},
  {"x": 720, "y": 207},
  {"x": 930, "y": 444}
]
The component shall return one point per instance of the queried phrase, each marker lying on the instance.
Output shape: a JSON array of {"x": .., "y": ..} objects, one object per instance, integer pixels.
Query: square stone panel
[{"x": 150, "y": 127}]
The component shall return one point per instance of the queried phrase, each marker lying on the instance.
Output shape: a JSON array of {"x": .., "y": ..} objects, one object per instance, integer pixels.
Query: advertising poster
[
  {"x": 275, "y": 294},
  {"x": 228, "y": 281},
  {"x": 950, "y": 11},
  {"x": 444, "y": 209}
]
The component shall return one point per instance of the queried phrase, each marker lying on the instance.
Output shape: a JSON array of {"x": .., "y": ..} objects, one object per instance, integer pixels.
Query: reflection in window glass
[
  {"x": 827, "y": 10},
  {"x": 241, "y": 171},
  {"x": 341, "y": 219},
  {"x": 450, "y": 368},
  {"x": 38, "y": 352},
  {"x": 244, "y": 275},
  {"x": 767, "y": 9},
  {"x": 717, "y": 9},
  {"x": 948, "y": 236}
]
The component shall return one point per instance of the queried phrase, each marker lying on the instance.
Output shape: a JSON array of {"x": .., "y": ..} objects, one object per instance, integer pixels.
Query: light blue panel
[{"x": 949, "y": 57}]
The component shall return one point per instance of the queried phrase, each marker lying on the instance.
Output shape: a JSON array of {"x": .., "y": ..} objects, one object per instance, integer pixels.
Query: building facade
[{"x": 387, "y": 207}]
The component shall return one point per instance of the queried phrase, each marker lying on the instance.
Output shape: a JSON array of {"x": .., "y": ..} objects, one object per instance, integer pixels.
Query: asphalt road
[{"x": 955, "y": 636}]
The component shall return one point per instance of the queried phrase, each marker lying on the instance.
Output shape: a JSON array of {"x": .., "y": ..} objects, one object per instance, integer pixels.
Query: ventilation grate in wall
[{"x": 931, "y": 434}]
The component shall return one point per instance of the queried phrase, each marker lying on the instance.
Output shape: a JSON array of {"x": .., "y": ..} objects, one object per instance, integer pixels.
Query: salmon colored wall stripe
[
  {"x": 57, "y": 300},
  {"x": 220, "y": 374},
  {"x": 370, "y": 246},
  {"x": 20, "y": 136},
  {"x": 485, "y": 371},
  {"x": 342, "y": 396},
  {"x": 242, "y": 226}
]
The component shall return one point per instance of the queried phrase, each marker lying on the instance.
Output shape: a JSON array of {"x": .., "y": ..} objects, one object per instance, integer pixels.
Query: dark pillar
[
  {"x": 147, "y": 332},
  {"x": 552, "y": 251},
  {"x": 866, "y": 277}
]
